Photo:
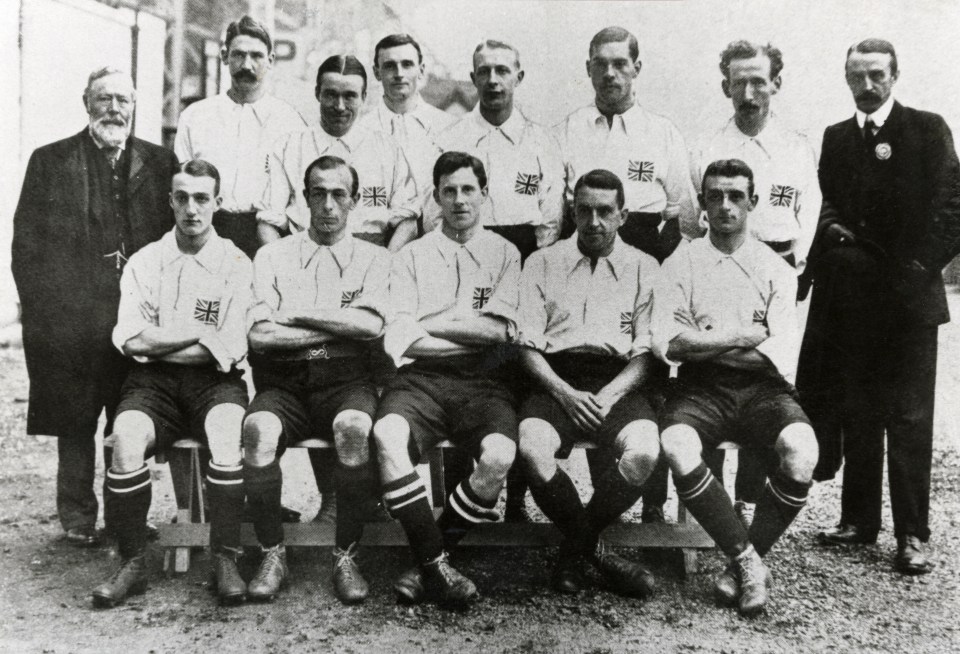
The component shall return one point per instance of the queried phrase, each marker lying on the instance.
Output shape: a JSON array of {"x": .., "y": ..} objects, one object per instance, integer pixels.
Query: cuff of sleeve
[
  {"x": 121, "y": 335},
  {"x": 771, "y": 348},
  {"x": 276, "y": 218},
  {"x": 640, "y": 346},
  {"x": 218, "y": 351},
  {"x": 259, "y": 313},
  {"x": 401, "y": 215},
  {"x": 660, "y": 345},
  {"x": 399, "y": 336}
]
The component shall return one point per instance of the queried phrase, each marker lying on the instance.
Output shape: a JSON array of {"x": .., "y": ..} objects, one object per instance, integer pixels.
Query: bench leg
[
  {"x": 437, "y": 477},
  {"x": 689, "y": 555}
]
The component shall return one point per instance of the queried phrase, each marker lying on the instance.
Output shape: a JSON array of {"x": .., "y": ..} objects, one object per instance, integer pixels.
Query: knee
[
  {"x": 133, "y": 435},
  {"x": 351, "y": 433},
  {"x": 681, "y": 446},
  {"x": 223, "y": 427},
  {"x": 497, "y": 453},
  {"x": 261, "y": 438},
  {"x": 539, "y": 443},
  {"x": 798, "y": 451},
  {"x": 392, "y": 436},
  {"x": 639, "y": 450}
]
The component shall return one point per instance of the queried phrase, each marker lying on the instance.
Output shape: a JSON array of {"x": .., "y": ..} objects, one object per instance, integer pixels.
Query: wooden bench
[{"x": 189, "y": 529}]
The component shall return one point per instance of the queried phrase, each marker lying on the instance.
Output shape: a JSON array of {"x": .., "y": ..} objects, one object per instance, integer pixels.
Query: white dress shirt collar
[
  {"x": 879, "y": 117},
  {"x": 210, "y": 256}
]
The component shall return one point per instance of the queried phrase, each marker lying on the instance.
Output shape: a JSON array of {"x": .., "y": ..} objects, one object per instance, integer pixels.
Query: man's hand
[
  {"x": 837, "y": 234},
  {"x": 752, "y": 336},
  {"x": 584, "y": 409}
]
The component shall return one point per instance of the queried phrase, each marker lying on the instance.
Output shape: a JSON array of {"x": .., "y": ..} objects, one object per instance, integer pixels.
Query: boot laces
[{"x": 345, "y": 560}]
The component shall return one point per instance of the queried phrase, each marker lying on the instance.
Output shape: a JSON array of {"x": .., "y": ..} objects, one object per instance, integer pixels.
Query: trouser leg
[{"x": 76, "y": 468}]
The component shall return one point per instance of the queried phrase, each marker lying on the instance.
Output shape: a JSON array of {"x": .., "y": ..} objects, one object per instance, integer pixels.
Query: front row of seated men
[{"x": 585, "y": 319}]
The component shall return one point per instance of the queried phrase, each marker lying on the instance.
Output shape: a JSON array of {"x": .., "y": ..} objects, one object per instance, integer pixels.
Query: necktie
[
  {"x": 112, "y": 154},
  {"x": 869, "y": 133}
]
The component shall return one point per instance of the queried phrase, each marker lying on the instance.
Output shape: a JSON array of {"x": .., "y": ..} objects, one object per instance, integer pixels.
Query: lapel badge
[{"x": 883, "y": 151}]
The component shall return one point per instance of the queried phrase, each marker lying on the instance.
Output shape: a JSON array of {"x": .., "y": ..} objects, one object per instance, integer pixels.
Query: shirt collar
[
  {"x": 385, "y": 116},
  {"x": 210, "y": 256},
  {"x": 629, "y": 119},
  {"x": 341, "y": 251},
  {"x": 448, "y": 248},
  {"x": 617, "y": 260},
  {"x": 351, "y": 140},
  {"x": 512, "y": 128},
  {"x": 770, "y": 131},
  {"x": 101, "y": 144},
  {"x": 260, "y": 108},
  {"x": 741, "y": 256},
  {"x": 879, "y": 117}
]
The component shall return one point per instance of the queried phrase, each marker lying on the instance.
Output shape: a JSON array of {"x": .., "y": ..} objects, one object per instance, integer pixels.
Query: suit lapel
[
  {"x": 137, "y": 167},
  {"x": 77, "y": 186}
]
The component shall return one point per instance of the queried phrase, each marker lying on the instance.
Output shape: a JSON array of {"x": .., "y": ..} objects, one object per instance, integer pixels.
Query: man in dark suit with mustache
[
  {"x": 890, "y": 222},
  {"x": 88, "y": 203}
]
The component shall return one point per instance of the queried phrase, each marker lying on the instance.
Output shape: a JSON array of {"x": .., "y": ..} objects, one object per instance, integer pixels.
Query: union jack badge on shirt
[
  {"x": 640, "y": 171},
  {"x": 760, "y": 317},
  {"x": 481, "y": 295},
  {"x": 527, "y": 184},
  {"x": 374, "y": 196},
  {"x": 626, "y": 322},
  {"x": 782, "y": 196},
  {"x": 349, "y": 296},
  {"x": 207, "y": 311}
]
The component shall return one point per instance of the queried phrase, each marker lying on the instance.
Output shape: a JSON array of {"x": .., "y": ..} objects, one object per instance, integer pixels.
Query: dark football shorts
[
  {"x": 451, "y": 398},
  {"x": 307, "y": 395},
  {"x": 590, "y": 373},
  {"x": 178, "y": 397},
  {"x": 747, "y": 407}
]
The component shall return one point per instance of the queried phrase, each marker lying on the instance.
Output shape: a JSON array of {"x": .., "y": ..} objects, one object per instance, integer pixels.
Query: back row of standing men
[{"x": 526, "y": 189}]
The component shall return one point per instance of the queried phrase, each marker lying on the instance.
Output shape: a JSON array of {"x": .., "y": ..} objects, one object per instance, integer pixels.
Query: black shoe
[
  {"x": 910, "y": 558},
  {"x": 270, "y": 576},
  {"x": 623, "y": 576},
  {"x": 446, "y": 585},
  {"x": 652, "y": 514},
  {"x": 84, "y": 536},
  {"x": 230, "y": 586},
  {"x": 844, "y": 534},
  {"x": 348, "y": 584},
  {"x": 409, "y": 586},
  {"x": 568, "y": 573},
  {"x": 129, "y": 579}
]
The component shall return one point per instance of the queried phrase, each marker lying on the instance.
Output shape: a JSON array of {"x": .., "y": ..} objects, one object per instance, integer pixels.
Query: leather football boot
[
  {"x": 568, "y": 573},
  {"x": 755, "y": 582},
  {"x": 726, "y": 587},
  {"x": 129, "y": 579},
  {"x": 624, "y": 577},
  {"x": 348, "y": 584},
  {"x": 230, "y": 586},
  {"x": 83, "y": 536},
  {"x": 409, "y": 586},
  {"x": 446, "y": 585},
  {"x": 910, "y": 557},
  {"x": 270, "y": 576},
  {"x": 844, "y": 534}
]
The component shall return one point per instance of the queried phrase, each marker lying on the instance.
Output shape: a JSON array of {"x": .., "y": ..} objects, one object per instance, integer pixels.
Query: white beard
[{"x": 112, "y": 135}]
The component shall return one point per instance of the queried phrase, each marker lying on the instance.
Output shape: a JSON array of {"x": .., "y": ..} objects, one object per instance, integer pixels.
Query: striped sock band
[
  {"x": 470, "y": 506},
  {"x": 225, "y": 475},
  {"x": 403, "y": 492},
  {"x": 124, "y": 483},
  {"x": 691, "y": 485}
]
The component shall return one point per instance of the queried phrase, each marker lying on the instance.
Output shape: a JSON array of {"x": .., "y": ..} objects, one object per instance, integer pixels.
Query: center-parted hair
[
  {"x": 248, "y": 27},
  {"x": 344, "y": 65},
  {"x": 603, "y": 180},
  {"x": 615, "y": 34},
  {"x": 200, "y": 168},
  {"x": 329, "y": 162},
  {"x": 728, "y": 168},
  {"x": 744, "y": 49},
  {"x": 875, "y": 45},
  {"x": 450, "y": 162},
  {"x": 393, "y": 41}
]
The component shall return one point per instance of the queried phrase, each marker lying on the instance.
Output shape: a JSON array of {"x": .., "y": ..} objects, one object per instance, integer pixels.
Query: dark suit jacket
[
  {"x": 66, "y": 327},
  {"x": 864, "y": 292}
]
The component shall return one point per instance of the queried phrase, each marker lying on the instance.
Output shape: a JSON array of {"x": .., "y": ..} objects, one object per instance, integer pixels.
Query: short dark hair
[
  {"x": 393, "y": 41},
  {"x": 248, "y": 27},
  {"x": 615, "y": 34},
  {"x": 603, "y": 180},
  {"x": 344, "y": 65},
  {"x": 329, "y": 162},
  {"x": 875, "y": 45},
  {"x": 450, "y": 162},
  {"x": 743, "y": 49},
  {"x": 728, "y": 168},
  {"x": 200, "y": 168},
  {"x": 492, "y": 44}
]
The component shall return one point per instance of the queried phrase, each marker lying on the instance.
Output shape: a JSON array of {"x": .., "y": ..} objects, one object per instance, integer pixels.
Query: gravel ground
[{"x": 845, "y": 599}]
